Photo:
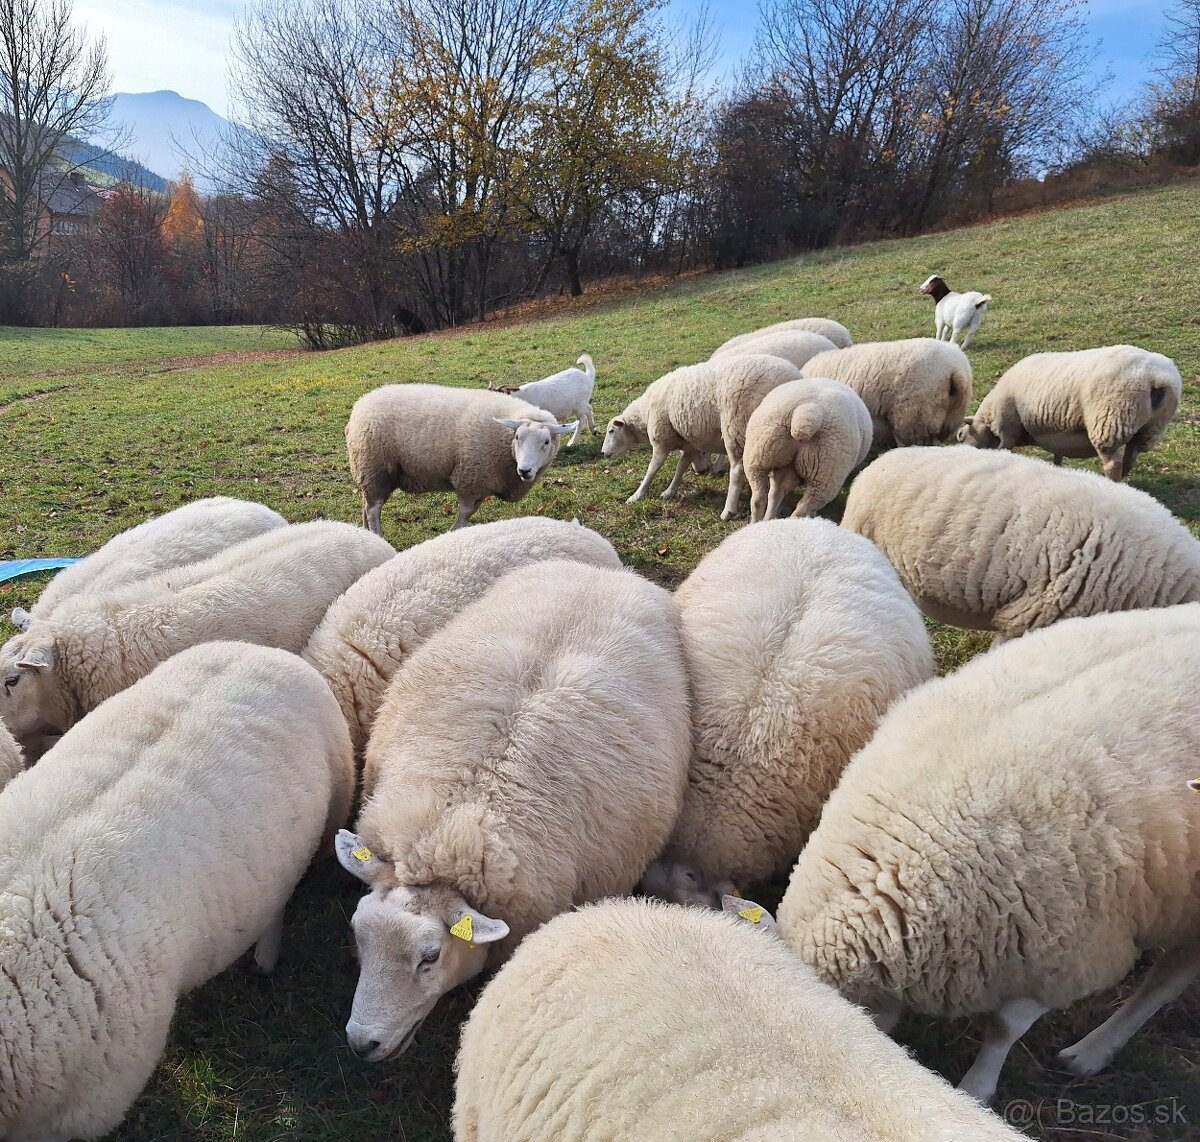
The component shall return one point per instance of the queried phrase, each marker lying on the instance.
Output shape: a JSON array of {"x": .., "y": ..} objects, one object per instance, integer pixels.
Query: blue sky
[{"x": 182, "y": 45}]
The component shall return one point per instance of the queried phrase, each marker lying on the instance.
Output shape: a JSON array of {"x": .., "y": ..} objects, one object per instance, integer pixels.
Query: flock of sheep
[{"x": 531, "y": 732}]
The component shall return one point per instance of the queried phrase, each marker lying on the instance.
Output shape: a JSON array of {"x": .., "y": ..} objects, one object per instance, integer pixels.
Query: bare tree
[
  {"x": 52, "y": 89},
  {"x": 1172, "y": 114},
  {"x": 1179, "y": 49}
]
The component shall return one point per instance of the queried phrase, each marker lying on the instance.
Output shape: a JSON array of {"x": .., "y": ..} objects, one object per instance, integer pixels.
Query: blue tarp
[{"x": 15, "y": 568}]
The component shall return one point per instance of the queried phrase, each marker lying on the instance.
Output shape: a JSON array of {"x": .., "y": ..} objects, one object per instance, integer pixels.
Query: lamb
[
  {"x": 12, "y": 761},
  {"x": 530, "y": 756},
  {"x": 793, "y": 345},
  {"x": 1013, "y": 836},
  {"x": 185, "y": 535},
  {"x": 271, "y": 590},
  {"x": 811, "y": 432},
  {"x": 694, "y": 410},
  {"x": 150, "y": 848},
  {"x": 997, "y": 541},
  {"x": 797, "y": 636},
  {"x": 633, "y": 1019},
  {"x": 917, "y": 391},
  {"x": 1114, "y": 402},
  {"x": 564, "y": 394},
  {"x": 379, "y": 622},
  {"x": 831, "y": 330},
  {"x": 432, "y": 438},
  {"x": 955, "y": 314}
]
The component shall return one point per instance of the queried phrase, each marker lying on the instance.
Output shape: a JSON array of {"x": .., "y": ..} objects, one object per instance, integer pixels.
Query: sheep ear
[
  {"x": 475, "y": 928},
  {"x": 511, "y": 425},
  {"x": 39, "y": 658},
  {"x": 563, "y": 429},
  {"x": 747, "y": 911},
  {"x": 21, "y": 618},
  {"x": 618, "y": 422},
  {"x": 356, "y": 858}
]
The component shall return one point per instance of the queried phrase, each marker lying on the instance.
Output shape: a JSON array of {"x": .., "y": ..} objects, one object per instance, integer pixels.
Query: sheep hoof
[
  {"x": 667, "y": 494},
  {"x": 633, "y": 499},
  {"x": 727, "y": 515},
  {"x": 1080, "y": 1061}
]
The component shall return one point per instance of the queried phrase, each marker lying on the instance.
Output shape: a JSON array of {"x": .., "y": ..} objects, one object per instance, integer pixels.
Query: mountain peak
[{"x": 168, "y": 132}]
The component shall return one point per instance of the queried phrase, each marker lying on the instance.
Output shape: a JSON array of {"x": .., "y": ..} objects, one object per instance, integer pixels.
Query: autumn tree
[{"x": 130, "y": 251}]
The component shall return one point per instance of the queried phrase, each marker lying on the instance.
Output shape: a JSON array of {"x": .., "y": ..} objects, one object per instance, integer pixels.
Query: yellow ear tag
[
  {"x": 754, "y": 915},
  {"x": 464, "y": 929},
  {"x": 361, "y": 853}
]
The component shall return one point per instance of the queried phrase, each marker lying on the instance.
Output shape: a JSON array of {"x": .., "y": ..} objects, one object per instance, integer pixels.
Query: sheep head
[{"x": 534, "y": 444}]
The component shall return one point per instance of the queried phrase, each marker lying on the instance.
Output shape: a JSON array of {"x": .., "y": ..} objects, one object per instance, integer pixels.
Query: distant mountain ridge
[{"x": 102, "y": 166}]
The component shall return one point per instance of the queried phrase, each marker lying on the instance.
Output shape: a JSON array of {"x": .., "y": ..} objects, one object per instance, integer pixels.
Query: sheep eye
[
  {"x": 430, "y": 956},
  {"x": 9, "y": 683}
]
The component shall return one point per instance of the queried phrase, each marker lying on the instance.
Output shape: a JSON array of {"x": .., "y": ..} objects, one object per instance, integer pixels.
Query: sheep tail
[
  {"x": 1156, "y": 396},
  {"x": 588, "y": 367},
  {"x": 806, "y": 422},
  {"x": 983, "y": 301}
]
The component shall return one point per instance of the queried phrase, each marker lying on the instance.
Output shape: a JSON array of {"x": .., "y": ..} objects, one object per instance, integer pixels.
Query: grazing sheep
[
  {"x": 12, "y": 761},
  {"x": 831, "y": 330},
  {"x": 917, "y": 391},
  {"x": 372, "y": 629},
  {"x": 955, "y": 314},
  {"x": 563, "y": 395},
  {"x": 1013, "y": 837},
  {"x": 793, "y": 345},
  {"x": 633, "y": 1019},
  {"x": 1114, "y": 402},
  {"x": 797, "y": 636},
  {"x": 185, "y": 535},
  {"x": 271, "y": 590},
  {"x": 432, "y": 438},
  {"x": 811, "y": 432},
  {"x": 150, "y": 848},
  {"x": 694, "y": 410},
  {"x": 530, "y": 756},
  {"x": 996, "y": 541}
]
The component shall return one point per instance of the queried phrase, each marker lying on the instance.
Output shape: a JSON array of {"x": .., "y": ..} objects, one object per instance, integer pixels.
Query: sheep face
[
  {"x": 33, "y": 704},
  {"x": 935, "y": 287},
  {"x": 621, "y": 437},
  {"x": 976, "y": 435},
  {"x": 681, "y": 884},
  {"x": 534, "y": 444},
  {"x": 414, "y": 945}
]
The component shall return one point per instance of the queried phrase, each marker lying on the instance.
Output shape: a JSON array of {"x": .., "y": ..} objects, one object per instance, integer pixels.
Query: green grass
[{"x": 122, "y": 425}]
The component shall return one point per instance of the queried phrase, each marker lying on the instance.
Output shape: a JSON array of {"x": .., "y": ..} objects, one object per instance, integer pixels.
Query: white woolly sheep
[
  {"x": 147, "y": 851},
  {"x": 271, "y": 590},
  {"x": 797, "y": 636},
  {"x": 812, "y": 432},
  {"x": 1114, "y": 402},
  {"x": 996, "y": 541},
  {"x": 633, "y": 1019},
  {"x": 694, "y": 410},
  {"x": 917, "y": 391},
  {"x": 955, "y": 314},
  {"x": 793, "y": 345},
  {"x": 823, "y": 326},
  {"x": 432, "y": 438},
  {"x": 12, "y": 761},
  {"x": 371, "y": 630},
  {"x": 530, "y": 756},
  {"x": 1013, "y": 837},
  {"x": 185, "y": 535},
  {"x": 563, "y": 395}
]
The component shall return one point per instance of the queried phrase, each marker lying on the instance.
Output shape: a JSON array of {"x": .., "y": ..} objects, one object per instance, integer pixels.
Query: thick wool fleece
[
  {"x": 380, "y": 621},
  {"x": 1017, "y": 829},
  {"x": 794, "y": 345},
  {"x": 633, "y": 1019},
  {"x": 532, "y": 754},
  {"x": 996, "y": 541},
  {"x": 12, "y": 761},
  {"x": 144, "y": 854},
  {"x": 822, "y": 326}
]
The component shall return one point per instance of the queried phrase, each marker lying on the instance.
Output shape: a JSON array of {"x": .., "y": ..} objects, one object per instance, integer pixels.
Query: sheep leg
[
  {"x": 685, "y": 462},
  {"x": 1164, "y": 982},
  {"x": 1110, "y": 459},
  {"x": 1132, "y": 451},
  {"x": 266, "y": 949},
  {"x": 657, "y": 459},
  {"x": 885, "y": 1012},
  {"x": 758, "y": 495},
  {"x": 966, "y": 340},
  {"x": 372, "y": 521},
  {"x": 779, "y": 489},
  {"x": 590, "y": 417},
  {"x": 1008, "y": 1023},
  {"x": 578, "y": 429},
  {"x": 466, "y": 509},
  {"x": 735, "y": 489}
]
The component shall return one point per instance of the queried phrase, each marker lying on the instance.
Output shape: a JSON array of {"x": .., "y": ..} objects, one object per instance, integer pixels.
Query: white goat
[
  {"x": 564, "y": 394},
  {"x": 956, "y": 314}
]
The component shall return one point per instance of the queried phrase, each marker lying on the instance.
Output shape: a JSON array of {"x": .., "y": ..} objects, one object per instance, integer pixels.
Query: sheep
[
  {"x": 372, "y": 629},
  {"x": 996, "y": 541},
  {"x": 793, "y": 345},
  {"x": 530, "y": 756},
  {"x": 564, "y": 394},
  {"x": 831, "y": 330},
  {"x": 797, "y": 636},
  {"x": 271, "y": 590},
  {"x": 634, "y": 1019},
  {"x": 12, "y": 761},
  {"x": 955, "y": 314},
  {"x": 694, "y": 410},
  {"x": 917, "y": 391},
  {"x": 185, "y": 535},
  {"x": 811, "y": 432},
  {"x": 432, "y": 438},
  {"x": 1013, "y": 837},
  {"x": 157, "y": 842},
  {"x": 1114, "y": 402}
]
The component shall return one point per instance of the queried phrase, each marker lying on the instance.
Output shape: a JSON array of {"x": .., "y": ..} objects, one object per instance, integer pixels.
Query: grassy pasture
[{"x": 105, "y": 427}]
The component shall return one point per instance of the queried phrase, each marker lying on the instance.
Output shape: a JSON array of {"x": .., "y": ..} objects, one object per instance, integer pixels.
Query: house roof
[{"x": 74, "y": 196}]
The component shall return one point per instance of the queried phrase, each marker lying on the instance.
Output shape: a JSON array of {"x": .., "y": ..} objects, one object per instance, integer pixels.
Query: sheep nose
[
  {"x": 525, "y": 473},
  {"x": 363, "y": 1048}
]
